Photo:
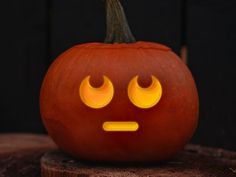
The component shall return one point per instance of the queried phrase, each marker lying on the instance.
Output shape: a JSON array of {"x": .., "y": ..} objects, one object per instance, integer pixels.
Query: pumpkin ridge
[{"x": 137, "y": 45}]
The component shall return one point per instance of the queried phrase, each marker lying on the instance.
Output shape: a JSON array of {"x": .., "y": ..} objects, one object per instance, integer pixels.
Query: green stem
[{"x": 118, "y": 30}]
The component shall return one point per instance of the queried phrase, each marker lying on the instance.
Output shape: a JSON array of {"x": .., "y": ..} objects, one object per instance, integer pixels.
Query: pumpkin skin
[{"x": 77, "y": 129}]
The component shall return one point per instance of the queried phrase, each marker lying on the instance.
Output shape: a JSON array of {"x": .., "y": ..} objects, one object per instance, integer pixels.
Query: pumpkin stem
[{"x": 118, "y": 30}]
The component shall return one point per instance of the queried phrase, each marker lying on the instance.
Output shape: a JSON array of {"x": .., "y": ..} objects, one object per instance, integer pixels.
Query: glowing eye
[
  {"x": 144, "y": 97},
  {"x": 96, "y": 97}
]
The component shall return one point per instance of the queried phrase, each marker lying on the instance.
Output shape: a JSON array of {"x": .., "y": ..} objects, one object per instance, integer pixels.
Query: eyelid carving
[
  {"x": 96, "y": 97},
  {"x": 145, "y": 97}
]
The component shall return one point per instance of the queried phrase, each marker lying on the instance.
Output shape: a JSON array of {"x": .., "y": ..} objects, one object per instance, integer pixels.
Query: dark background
[{"x": 34, "y": 32}]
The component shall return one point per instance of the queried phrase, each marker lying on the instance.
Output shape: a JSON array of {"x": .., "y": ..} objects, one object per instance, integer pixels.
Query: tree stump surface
[
  {"x": 194, "y": 161},
  {"x": 20, "y": 154}
]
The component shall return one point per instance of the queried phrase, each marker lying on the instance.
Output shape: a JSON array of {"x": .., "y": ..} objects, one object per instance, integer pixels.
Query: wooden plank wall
[
  {"x": 33, "y": 33},
  {"x": 211, "y": 37},
  {"x": 23, "y": 42}
]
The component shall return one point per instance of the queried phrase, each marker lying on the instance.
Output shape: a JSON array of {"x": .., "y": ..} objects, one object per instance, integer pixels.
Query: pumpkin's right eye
[
  {"x": 145, "y": 97},
  {"x": 96, "y": 97}
]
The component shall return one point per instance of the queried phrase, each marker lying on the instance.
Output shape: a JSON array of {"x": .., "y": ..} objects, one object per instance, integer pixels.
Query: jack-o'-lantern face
[
  {"x": 100, "y": 97},
  {"x": 119, "y": 101}
]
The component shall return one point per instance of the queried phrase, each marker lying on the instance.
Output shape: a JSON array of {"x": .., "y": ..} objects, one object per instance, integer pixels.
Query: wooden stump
[
  {"x": 194, "y": 161},
  {"x": 20, "y": 154}
]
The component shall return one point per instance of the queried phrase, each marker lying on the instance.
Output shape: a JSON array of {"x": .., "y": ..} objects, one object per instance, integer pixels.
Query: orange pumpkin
[{"x": 119, "y": 101}]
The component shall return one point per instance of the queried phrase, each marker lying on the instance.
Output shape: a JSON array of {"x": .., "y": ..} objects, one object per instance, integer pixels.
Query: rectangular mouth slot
[{"x": 120, "y": 126}]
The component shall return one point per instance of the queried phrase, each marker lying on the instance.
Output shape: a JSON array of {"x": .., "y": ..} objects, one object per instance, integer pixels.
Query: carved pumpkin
[{"x": 119, "y": 101}]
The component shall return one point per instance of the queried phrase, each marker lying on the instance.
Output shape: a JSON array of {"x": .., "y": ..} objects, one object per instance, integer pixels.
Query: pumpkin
[{"x": 119, "y": 101}]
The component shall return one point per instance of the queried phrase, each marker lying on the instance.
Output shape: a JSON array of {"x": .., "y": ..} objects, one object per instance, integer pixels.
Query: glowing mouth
[{"x": 120, "y": 126}]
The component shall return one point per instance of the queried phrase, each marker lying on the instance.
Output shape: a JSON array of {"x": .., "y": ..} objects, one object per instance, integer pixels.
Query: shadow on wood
[
  {"x": 194, "y": 161},
  {"x": 20, "y": 154}
]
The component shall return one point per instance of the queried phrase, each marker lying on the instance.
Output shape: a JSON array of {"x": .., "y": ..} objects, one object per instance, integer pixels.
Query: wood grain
[
  {"x": 194, "y": 161},
  {"x": 20, "y": 154}
]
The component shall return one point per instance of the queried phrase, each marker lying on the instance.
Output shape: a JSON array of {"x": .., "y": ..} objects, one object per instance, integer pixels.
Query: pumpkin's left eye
[
  {"x": 96, "y": 97},
  {"x": 145, "y": 97}
]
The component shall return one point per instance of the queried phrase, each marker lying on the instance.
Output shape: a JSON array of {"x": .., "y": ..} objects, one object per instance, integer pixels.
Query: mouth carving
[{"x": 120, "y": 126}]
